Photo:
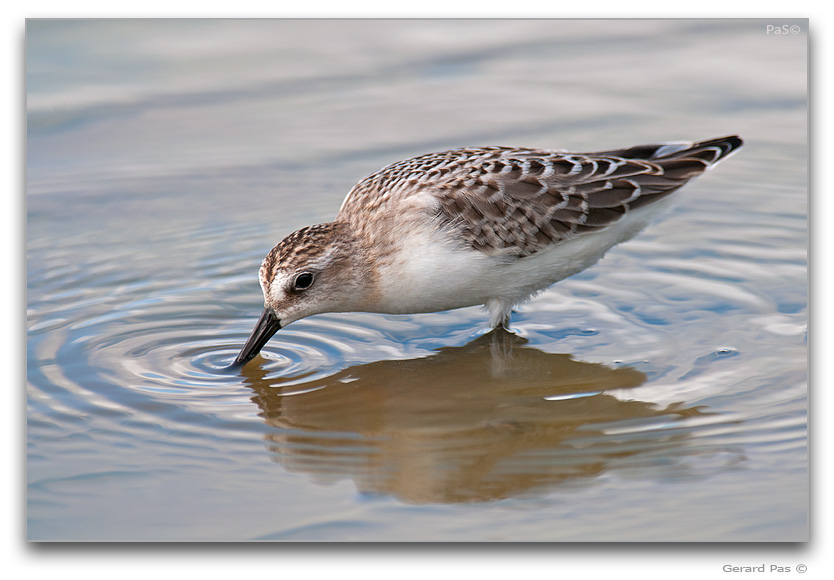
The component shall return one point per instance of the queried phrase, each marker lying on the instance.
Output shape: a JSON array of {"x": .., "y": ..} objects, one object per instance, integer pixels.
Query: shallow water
[{"x": 660, "y": 395}]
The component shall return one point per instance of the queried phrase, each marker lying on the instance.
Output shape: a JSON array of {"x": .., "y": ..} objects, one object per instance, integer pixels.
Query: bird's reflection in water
[{"x": 485, "y": 421}]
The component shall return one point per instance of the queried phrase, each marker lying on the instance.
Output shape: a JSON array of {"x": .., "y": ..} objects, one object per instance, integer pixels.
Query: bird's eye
[{"x": 303, "y": 281}]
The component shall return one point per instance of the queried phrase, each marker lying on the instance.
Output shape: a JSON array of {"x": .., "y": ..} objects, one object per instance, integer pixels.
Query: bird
[{"x": 489, "y": 226}]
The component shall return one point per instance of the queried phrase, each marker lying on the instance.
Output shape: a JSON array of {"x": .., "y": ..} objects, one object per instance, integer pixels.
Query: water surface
[{"x": 660, "y": 395}]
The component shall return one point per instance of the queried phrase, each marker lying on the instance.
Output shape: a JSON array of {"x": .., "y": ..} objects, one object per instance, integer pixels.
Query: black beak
[{"x": 268, "y": 324}]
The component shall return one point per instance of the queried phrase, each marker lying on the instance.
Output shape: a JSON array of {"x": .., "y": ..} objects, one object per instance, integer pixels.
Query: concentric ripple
[{"x": 161, "y": 335}]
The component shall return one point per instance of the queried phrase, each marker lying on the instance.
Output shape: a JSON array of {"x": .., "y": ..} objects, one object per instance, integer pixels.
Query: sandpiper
[{"x": 465, "y": 227}]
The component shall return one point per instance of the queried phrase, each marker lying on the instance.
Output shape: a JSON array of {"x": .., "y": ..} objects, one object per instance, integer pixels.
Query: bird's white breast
[{"x": 431, "y": 272}]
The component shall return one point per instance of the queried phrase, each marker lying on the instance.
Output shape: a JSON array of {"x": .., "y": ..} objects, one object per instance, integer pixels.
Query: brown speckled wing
[{"x": 520, "y": 201}]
